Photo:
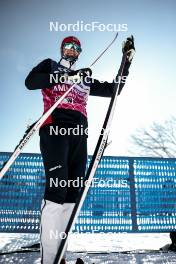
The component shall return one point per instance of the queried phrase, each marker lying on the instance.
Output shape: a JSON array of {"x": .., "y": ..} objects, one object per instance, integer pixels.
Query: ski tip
[
  {"x": 79, "y": 261},
  {"x": 63, "y": 261}
]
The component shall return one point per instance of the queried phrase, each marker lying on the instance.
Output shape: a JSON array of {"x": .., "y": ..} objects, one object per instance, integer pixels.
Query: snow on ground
[{"x": 103, "y": 243}]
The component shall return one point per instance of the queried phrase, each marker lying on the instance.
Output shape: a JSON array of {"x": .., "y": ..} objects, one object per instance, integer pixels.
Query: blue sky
[{"x": 149, "y": 94}]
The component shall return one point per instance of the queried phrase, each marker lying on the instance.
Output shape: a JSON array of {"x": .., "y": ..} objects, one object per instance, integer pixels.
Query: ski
[
  {"x": 101, "y": 144},
  {"x": 132, "y": 251},
  {"x": 20, "y": 251},
  {"x": 29, "y": 133}
]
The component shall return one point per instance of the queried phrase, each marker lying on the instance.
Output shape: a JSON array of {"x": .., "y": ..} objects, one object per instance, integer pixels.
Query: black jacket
[{"x": 39, "y": 78}]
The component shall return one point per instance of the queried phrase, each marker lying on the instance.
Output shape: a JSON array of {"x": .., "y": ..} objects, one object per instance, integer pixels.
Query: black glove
[
  {"x": 76, "y": 76},
  {"x": 83, "y": 74},
  {"x": 129, "y": 48}
]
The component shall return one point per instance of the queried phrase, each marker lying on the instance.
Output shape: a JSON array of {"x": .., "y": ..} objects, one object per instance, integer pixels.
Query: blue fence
[{"x": 127, "y": 195}]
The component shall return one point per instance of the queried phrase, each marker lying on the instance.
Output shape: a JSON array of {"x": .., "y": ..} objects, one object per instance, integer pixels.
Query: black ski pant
[{"x": 64, "y": 158}]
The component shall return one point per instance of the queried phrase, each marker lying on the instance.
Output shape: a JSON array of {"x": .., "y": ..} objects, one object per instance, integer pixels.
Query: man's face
[
  {"x": 70, "y": 53},
  {"x": 71, "y": 50}
]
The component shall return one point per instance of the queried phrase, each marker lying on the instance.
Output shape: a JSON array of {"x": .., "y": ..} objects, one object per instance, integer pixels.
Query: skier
[{"x": 65, "y": 155}]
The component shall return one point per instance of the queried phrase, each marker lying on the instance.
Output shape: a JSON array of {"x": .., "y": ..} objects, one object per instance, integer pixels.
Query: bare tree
[{"x": 158, "y": 140}]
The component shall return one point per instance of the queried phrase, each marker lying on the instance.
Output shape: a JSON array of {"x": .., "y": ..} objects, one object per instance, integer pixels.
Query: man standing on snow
[{"x": 64, "y": 156}]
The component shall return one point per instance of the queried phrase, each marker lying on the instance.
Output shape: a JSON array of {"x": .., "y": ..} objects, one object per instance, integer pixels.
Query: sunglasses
[{"x": 72, "y": 46}]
